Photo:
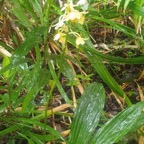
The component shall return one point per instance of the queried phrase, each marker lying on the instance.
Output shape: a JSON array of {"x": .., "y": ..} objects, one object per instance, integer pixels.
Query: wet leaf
[
  {"x": 39, "y": 79},
  {"x": 33, "y": 38},
  {"x": 119, "y": 126},
  {"x": 87, "y": 114}
]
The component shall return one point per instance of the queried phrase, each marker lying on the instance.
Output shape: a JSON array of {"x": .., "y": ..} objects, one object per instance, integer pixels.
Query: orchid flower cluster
[{"x": 71, "y": 14}]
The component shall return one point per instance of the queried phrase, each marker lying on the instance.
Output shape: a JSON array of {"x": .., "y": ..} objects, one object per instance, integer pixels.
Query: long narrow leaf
[
  {"x": 113, "y": 59},
  {"x": 39, "y": 81},
  {"x": 127, "y": 30},
  {"x": 59, "y": 86},
  {"x": 19, "y": 12},
  {"x": 9, "y": 130},
  {"x": 33, "y": 38},
  {"x": 99, "y": 67}
]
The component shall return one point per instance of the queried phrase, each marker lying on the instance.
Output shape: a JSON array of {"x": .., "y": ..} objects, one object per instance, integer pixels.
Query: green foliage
[
  {"x": 42, "y": 67},
  {"x": 6, "y": 62},
  {"x": 84, "y": 130},
  {"x": 137, "y": 18}
]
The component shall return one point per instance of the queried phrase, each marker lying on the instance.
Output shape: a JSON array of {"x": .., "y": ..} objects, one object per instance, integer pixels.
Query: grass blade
[{"x": 9, "y": 130}]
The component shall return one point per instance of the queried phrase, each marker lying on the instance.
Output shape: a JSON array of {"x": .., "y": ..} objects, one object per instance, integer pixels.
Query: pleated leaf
[
  {"x": 119, "y": 126},
  {"x": 87, "y": 114}
]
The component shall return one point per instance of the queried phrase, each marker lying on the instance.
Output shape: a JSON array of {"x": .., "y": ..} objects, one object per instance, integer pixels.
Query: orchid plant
[
  {"x": 41, "y": 79},
  {"x": 71, "y": 14}
]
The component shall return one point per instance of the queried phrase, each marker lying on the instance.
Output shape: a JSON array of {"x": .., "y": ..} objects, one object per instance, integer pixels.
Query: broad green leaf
[
  {"x": 139, "y": 123},
  {"x": 87, "y": 114},
  {"x": 118, "y": 126}
]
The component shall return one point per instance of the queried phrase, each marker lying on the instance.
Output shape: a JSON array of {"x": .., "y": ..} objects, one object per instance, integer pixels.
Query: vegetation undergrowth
[{"x": 65, "y": 65}]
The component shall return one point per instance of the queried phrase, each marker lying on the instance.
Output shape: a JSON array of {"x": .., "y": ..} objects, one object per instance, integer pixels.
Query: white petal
[
  {"x": 56, "y": 37},
  {"x": 59, "y": 24}
]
